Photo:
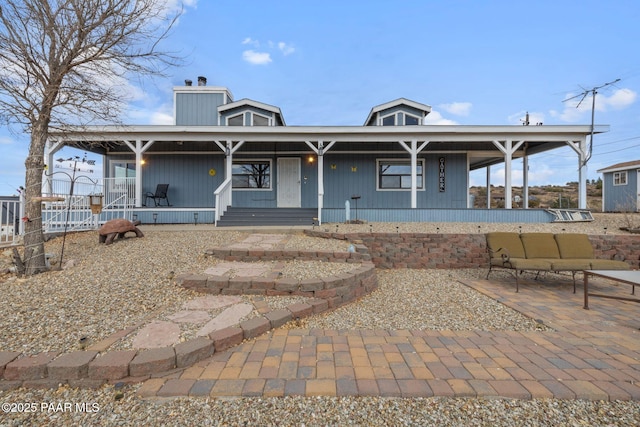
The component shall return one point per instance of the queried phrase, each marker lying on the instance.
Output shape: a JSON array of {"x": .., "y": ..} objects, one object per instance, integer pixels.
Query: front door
[{"x": 289, "y": 182}]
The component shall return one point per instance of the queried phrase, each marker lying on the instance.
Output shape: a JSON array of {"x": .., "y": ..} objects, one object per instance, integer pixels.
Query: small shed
[{"x": 621, "y": 187}]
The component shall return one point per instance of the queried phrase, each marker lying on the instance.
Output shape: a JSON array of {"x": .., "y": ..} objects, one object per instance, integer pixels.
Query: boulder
[{"x": 118, "y": 228}]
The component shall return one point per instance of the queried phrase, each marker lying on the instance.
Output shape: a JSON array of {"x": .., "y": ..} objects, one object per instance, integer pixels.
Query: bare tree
[{"x": 65, "y": 62}]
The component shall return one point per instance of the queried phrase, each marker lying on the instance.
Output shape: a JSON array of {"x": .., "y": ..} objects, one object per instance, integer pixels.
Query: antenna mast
[{"x": 584, "y": 94}]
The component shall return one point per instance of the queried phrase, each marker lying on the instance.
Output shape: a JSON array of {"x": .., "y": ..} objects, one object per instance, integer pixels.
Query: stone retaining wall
[{"x": 430, "y": 250}]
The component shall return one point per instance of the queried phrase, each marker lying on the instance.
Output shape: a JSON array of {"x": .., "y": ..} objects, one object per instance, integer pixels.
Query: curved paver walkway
[{"x": 591, "y": 354}]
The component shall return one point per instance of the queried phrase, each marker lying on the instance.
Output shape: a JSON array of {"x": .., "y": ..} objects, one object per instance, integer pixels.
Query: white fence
[
  {"x": 11, "y": 211},
  {"x": 87, "y": 204}
]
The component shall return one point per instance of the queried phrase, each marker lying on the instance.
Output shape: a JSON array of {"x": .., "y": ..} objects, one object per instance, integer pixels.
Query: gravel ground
[
  {"x": 431, "y": 299},
  {"x": 303, "y": 411},
  {"x": 108, "y": 288}
]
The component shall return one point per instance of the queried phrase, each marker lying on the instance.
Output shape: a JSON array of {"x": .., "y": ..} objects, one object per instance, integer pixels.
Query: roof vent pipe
[
  {"x": 187, "y": 82},
  {"x": 202, "y": 81}
]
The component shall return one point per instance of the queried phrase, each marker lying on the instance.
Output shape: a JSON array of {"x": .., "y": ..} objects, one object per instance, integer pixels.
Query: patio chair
[{"x": 158, "y": 196}]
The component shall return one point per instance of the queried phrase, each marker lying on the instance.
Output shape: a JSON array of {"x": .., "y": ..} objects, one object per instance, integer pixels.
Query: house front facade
[
  {"x": 221, "y": 153},
  {"x": 621, "y": 187}
]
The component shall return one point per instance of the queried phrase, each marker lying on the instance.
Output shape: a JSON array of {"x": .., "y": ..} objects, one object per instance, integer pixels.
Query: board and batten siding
[
  {"x": 621, "y": 198},
  {"x": 192, "y": 178},
  {"x": 349, "y": 174},
  {"x": 198, "y": 109}
]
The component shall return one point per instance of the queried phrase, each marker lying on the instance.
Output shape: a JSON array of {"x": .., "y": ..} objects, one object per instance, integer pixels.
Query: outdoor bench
[{"x": 538, "y": 252}]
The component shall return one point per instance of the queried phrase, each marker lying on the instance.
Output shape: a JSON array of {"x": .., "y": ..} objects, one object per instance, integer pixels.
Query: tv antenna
[{"x": 583, "y": 95}]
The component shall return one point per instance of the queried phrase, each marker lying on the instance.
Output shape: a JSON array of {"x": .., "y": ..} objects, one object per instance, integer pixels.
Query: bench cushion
[
  {"x": 530, "y": 264},
  {"x": 573, "y": 245},
  {"x": 572, "y": 264},
  {"x": 500, "y": 242},
  {"x": 539, "y": 245},
  {"x": 609, "y": 264}
]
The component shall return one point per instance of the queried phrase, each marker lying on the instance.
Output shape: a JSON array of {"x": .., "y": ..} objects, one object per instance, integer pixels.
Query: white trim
[
  {"x": 620, "y": 175},
  {"x": 269, "y": 119},
  {"x": 242, "y": 160},
  {"x": 621, "y": 168},
  {"x": 403, "y": 161},
  {"x": 396, "y": 121},
  {"x": 442, "y": 133},
  {"x": 241, "y": 114},
  {"x": 426, "y": 109}
]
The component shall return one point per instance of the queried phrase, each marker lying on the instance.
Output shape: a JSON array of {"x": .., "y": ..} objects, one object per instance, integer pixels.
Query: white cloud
[
  {"x": 578, "y": 107},
  {"x": 256, "y": 58},
  {"x": 286, "y": 49},
  {"x": 5, "y": 140},
  {"x": 457, "y": 108},
  {"x": 250, "y": 41},
  {"x": 160, "y": 118},
  {"x": 435, "y": 118},
  {"x": 618, "y": 100},
  {"x": 253, "y": 56}
]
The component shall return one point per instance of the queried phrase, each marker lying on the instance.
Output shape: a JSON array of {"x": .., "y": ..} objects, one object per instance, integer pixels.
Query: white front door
[{"x": 289, "y": 182}]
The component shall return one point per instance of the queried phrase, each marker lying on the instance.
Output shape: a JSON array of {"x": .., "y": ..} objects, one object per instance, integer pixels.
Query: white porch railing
[
  {"x": 74, "y": 213},
  {"x": 11, "y": 211},
  {"x": 223, "y": 198}
]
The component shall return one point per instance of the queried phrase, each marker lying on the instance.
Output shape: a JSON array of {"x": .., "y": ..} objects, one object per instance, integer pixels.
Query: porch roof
[{"x": 477, "y": 140}]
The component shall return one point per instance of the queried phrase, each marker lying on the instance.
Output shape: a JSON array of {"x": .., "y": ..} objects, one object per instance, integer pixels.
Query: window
[
  {"x": 411, "y": 120},
  {"x": 123, "y": 169},
  {"x": 620, "y": 178},
  {"x": 389, "y": 120},
  {"x": 251, "y": 174},
  {"x": 236, "y": 120},
  {"x": 396, "y": 174},
  {"x": 260, "y": 120},
  {"x": 408, "y": 120}
]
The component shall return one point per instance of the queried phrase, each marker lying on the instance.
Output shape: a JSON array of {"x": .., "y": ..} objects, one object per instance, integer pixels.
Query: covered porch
[{"x": 322, "y": 166}]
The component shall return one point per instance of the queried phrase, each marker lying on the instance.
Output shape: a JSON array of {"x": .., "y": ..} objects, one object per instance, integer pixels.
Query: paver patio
[{"x": 590, "y": 354}]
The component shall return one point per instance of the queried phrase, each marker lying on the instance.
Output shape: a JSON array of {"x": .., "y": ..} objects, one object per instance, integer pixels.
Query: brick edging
[{"x": 85, "y": 368}]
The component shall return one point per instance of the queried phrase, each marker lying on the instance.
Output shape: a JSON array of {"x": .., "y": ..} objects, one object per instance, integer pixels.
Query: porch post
[
  {"x": 320, "y": 180},
  {"x": 138, "y": 184},
  {"x": 525, "y": 182},
  {"x": 488, "y": 187},
  {"x": 320, "y": 150},
  {"x": 582, "y": 175},
  {"x": 508, "y": 150},
  {"x": 51, "y": 147},
  {"x": 580, "y": 147},
  {"x": 413, "y": 152},
  {"x": 138, "y": 149}
]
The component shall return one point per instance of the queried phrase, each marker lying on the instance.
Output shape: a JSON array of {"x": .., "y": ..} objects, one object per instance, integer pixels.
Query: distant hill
[{"x": 546, "y": 196}]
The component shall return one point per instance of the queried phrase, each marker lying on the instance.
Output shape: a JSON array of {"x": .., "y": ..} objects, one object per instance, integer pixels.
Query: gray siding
[
  {"x": 198, "y": 109},
  {"x": 341, "y": 183},
  {"x": 191, "y": 185},
  {"x": 619, "y": 198}
]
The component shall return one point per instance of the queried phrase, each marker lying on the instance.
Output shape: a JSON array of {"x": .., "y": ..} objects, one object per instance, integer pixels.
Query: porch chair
[{"x": 159, "y": 195}]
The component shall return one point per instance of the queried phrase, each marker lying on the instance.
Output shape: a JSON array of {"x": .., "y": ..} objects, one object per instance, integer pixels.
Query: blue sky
[{"x": 474, "y": 62}]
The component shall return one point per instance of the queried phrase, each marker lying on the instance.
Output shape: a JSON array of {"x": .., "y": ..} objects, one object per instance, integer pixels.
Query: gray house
[
  {"x": 222, "y": 155},
  {"x": 621, "y": 187}
]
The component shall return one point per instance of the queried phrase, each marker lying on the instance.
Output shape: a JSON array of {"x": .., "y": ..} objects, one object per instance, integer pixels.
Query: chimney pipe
[
  {"x": 202, "y": 81},
  {"x": 187, "y": 82}
]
